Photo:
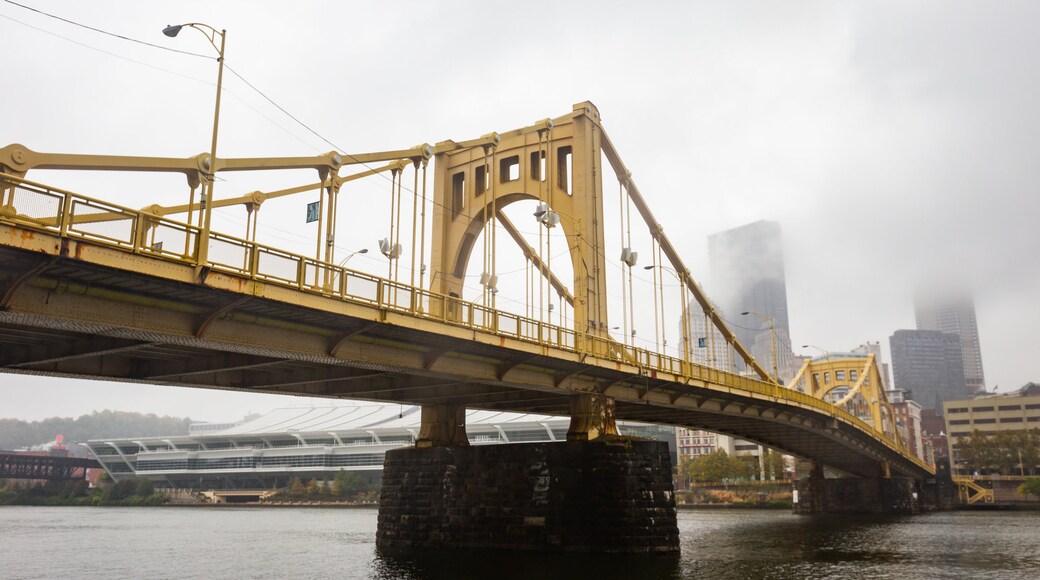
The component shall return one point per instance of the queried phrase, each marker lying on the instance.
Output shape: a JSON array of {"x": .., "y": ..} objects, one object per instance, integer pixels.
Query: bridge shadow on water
[
  {"x": 716, "y": 544},
  {"x": 725, "y": 544},
  {"x": 506, "y": 564}
]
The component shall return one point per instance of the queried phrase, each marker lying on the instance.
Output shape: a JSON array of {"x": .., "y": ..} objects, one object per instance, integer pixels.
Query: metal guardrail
[{"x": 38, "y": 206}]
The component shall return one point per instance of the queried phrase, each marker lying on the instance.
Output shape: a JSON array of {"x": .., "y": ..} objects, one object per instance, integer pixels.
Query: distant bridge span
[
  {"x": 51, "y": 468},
  {"x": 87, "y": 291}
]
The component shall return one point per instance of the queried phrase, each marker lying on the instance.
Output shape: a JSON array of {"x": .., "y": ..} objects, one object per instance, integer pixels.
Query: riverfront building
[
  {"x": 691, "y": 443},
  {"x": 908, "y": 418},
  {"x": 992, "y": 414},
  {"x": 266, "y": 451}
]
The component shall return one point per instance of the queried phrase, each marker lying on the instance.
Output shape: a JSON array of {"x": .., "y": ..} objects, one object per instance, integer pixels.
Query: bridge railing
[{"x": 73, "y": 215}]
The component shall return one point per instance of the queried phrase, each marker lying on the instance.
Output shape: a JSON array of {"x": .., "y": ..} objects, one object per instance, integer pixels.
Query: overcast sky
[{"x": 895, "y": 142}]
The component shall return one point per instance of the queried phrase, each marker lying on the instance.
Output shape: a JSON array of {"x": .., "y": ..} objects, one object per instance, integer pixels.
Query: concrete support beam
[
  {"x": 592, "y": 417},
  {"x": 442, "y": 426}
]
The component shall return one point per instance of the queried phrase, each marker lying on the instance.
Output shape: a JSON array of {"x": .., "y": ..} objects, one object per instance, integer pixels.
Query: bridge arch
[{"x": 560, "y": 164}]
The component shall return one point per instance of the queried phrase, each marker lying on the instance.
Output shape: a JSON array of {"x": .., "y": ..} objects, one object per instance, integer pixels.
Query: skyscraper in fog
[
  {"x": 954, "y": 314},
  {"x": 928, "y": 364},
  {"x": 747, "y": 274}
]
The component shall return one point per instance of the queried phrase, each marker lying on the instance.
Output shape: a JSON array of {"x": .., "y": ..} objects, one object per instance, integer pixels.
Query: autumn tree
[
  {"x": 1031, "y": 486},
  {"x": 715, "y": 466}
]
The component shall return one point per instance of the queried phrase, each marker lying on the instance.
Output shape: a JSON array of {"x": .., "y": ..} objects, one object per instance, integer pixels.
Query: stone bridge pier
[
  {"x": 596, "y": 492},
  {"x": 883, "y": 494}
]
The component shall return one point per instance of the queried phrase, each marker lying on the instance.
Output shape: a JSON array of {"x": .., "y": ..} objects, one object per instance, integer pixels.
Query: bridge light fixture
[
  {"x": 391, "y": 251},
  {"x": 546, "y": 216},
  {"x": 629, "y": 257},
  {"x": 352, "y": 254},
  {"x": 172, "y": 30}
]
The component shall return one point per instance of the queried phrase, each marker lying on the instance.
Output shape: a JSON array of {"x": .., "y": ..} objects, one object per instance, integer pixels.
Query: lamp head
[
  {"x": 648, "y": 267},
  {"x": 745, "y": 313},
  {"x": 805, "y": 346},
  {"x": 172, "y": 30},
  {"x": 363, "y": 251}
]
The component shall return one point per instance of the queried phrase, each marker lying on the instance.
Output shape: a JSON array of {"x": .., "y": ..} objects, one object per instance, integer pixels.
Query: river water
[{"x": 169, "y": 542}]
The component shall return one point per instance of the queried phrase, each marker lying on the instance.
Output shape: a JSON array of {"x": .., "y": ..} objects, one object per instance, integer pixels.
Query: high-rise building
[
  {"x": 707, "y": 345},
  {"x": 954, "y": 313},
  {"x": 927, "y": 364},
  {"x": 747, "y": 274}
]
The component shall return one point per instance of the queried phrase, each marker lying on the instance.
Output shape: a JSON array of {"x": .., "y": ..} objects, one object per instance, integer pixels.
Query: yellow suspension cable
[
  {"x": 543, "y": 198},
  {"x": 624, "y": 291},
  {"x": 321, "y": 222},
  {"x": 664, "y": 321},
  {"x": 481, "y": 185},
  {"x": 422, "y": 232},
  {"x": 548, "y": 233},
  {"x": 490, "y": 173},
  {"x": 390, "y": 238},
  {"x": 397, "y": 240},
  {"x": 631, "y": 293},
  {"x": 656, "y": 269},
  {"x": 415, "y": 211}
]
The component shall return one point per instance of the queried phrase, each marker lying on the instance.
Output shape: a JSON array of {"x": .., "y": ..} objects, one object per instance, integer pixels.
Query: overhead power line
[{"x": 107, "y": 33}]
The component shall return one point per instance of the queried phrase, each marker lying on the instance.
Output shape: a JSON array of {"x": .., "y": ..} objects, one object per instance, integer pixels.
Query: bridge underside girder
[{"x": 76, "y": 317}]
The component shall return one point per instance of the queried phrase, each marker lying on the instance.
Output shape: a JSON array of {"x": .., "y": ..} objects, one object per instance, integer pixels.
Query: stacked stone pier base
[
  {"x": 605, "y": 495},
  {"x": 879, "y": 495}
]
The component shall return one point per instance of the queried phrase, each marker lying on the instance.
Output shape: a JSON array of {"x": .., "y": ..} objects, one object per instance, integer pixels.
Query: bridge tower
[
  {"x": 592, "y": 493},
  {"x": 558, "y": 164}
]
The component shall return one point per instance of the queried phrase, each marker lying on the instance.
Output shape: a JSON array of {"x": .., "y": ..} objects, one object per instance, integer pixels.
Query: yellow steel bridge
[{"x": 92, "y": 289}]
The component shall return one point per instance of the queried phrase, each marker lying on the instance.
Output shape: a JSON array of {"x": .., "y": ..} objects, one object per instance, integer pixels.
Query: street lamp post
[
  {"x": 772, "y": 334},
  {"x": 826, "y": 354},
  {"x": 209, "y": 165}
]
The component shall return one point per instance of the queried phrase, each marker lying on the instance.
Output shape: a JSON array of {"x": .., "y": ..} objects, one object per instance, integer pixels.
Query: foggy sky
[{"x": 895, "y": 142}]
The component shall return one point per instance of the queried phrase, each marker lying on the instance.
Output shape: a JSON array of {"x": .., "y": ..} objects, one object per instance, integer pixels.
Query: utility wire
[
  {"x": 101, "y": 50},
  {"x": 107, "y": 33}
]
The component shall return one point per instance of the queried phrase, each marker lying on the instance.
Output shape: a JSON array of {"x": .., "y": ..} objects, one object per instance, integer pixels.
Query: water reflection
[
  {"x": 39, "y": 542},
  {"x": 770, "y": 545},
  {"x": 501, "y": 564}
]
